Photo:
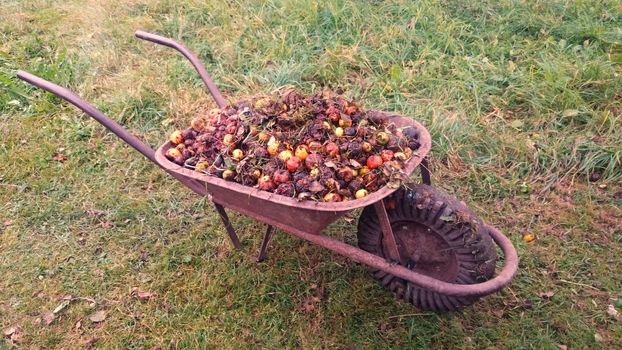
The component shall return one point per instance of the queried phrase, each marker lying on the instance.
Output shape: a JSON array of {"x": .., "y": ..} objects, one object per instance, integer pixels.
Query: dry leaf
[
  {"x": 141, "y": 294},
  {"x": 611, "y": 311},
  {"x": 167, "y": 121},
  {"x": 167, "y": 307},
  {"x": 316, "y": 186},
  {"x": 98, "y": 316},
  {"x": 143, "y": 256},
  {"x": 78, "y": 325},
  {"x": 562, "y": 346},
  {"x": 348, "y": 218},
  {"x": 355, "y": 164},
  {"x": 89, "y": 210},
  {"x": 307, "y": 305},
  {"x": 531, "y": 145},
  {"x": 498, "y": 313},
  {"x": 14, "y": 333},
  {"x": 59, "y": 158},
  {"x": 15, "y": 336},
  {"x": 569, "y": 113},
  {"x": 330, "y": 164},
  {"x": 89, "y": 342},
  {"x": 394, "y": 183},
  {"x": 61, "y": 306},
  {"x": 48, "y": 318},
  {"x": 144, "y": 295},
  {"x": 10, "y": 331},
  {"x": 547, "y": 295},
  {"x": 599, "y": 338},
  {"x": 91, "y": 301},
  {"x": 8, "y": 222},
  {"x": 106, "y": 224},
  {"x": 309, "y": 302}
]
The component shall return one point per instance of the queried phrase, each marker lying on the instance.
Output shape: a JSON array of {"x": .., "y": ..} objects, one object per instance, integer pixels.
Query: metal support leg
[
  {"x": 388, "y": 239},
  {"x": 425, "y": 171},
  {"x": 263, "y": 251},
  {"x": 230, "y": 230}
]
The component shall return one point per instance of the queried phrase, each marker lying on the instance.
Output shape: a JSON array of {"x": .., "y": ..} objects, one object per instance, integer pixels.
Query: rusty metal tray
[{"x": 281, "y": 211}]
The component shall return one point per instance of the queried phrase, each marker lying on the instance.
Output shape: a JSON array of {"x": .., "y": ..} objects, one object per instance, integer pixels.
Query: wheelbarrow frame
[{"x": 205, "y": 185}]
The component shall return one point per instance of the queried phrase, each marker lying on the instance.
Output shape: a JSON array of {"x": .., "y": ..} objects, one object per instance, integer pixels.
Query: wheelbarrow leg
[
  {"x": 388, "y": 238},
  {"x": 230, "y": 230},
  {"x": 263, "y": 251},
  {"x": 425, "y": 171}
]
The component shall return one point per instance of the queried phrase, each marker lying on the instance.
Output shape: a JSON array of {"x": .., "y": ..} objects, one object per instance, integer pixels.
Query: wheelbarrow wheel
[{"x": 437, "y": 236}]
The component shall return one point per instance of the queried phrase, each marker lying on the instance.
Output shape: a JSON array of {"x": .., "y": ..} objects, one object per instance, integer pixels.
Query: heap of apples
[{"x": 319, "y": 147}]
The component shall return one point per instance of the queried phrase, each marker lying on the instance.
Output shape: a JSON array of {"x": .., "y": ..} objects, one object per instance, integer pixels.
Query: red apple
[
  {"x": 386, "y": 155},
  {"x": 313, "y": 160},
  {"x": 315, "y": 146},
  {"x": 265, "y": 183},
  {"x": 293, "y": 163},
  {"x": 345, "y": 173},
  {"x": 331, "y": 149},
  {"x": 281, "y": 176},
  {"x": 332, "y": 197},
  {"x": 374, "y": 161}
]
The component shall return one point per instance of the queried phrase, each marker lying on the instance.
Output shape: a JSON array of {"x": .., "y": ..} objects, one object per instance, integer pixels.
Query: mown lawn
[{"x": 523, "y": 100}]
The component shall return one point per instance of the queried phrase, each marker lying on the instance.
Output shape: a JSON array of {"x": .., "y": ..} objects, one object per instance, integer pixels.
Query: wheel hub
[{"x": 425, "y": 251}]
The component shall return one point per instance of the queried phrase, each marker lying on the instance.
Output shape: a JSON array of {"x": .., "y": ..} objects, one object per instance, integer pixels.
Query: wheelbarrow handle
[
  {"x": 105, "y": 121},
  {"x": 198, "y": 65},
  {"x": 90, "y": 110}
]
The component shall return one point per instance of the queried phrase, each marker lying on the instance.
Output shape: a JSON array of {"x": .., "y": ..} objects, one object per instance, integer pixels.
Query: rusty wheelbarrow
[{"x": 423, "y": 245}]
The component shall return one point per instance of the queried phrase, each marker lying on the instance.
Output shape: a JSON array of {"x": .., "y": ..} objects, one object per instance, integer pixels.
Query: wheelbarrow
[{"x": 423, "y": 245}]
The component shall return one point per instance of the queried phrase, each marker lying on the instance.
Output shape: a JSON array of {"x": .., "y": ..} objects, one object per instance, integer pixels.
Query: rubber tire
[{"x": 473, "y": 247}]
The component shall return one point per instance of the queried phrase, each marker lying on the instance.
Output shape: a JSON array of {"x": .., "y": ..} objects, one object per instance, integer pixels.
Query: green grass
[{"x": 523, "y": 100}]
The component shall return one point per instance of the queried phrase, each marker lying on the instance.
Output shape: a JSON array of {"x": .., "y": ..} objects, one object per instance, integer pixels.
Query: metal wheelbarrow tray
[
  {"x": 403, "y": 237},
  {"x": 285, "y": 212}
]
